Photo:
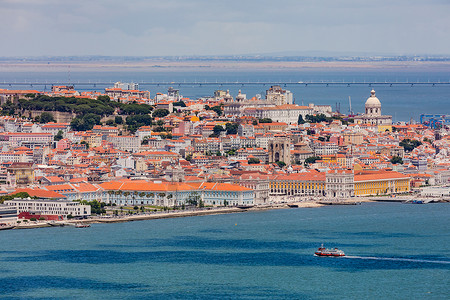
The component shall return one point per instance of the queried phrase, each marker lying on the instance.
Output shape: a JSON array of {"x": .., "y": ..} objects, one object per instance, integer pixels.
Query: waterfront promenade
[{"x": 303, "y": 203}]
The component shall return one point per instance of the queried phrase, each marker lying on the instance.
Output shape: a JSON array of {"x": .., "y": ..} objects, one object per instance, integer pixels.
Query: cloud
[{"x": 175, "y": 27}]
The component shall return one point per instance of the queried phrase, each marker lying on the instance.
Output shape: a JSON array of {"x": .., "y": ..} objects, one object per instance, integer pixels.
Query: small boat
[
  {"x": 244, "y": 206},
  {"x": 417, "y": 202},
  {"x": 80, "y": 225},
  {"x": 56, "y": 224},
  {"x": 322, "y": 251}
]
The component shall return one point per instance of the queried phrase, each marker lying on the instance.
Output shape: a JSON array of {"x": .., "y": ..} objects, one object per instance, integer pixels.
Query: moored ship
[
  {"x": 322, "y": 251},
  {"x": 81, "y": 225}
]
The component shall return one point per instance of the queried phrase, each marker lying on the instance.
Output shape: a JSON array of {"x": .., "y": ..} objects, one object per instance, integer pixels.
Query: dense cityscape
[
  {"x": 71, "y": 156},
  {"x": 224, "y": 149}
]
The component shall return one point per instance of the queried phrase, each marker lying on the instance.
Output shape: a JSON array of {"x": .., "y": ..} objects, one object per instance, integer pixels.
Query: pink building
[{"x": 63, "y": 144}]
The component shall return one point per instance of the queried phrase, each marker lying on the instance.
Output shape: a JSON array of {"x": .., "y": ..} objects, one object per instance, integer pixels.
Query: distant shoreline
[
  {"x": 205, "y": 212},
  {"x": 213, "y": 65}
]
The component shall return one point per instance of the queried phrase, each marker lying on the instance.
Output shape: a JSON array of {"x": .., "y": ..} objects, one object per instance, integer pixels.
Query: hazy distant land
[{"x": 222, "y": 63}]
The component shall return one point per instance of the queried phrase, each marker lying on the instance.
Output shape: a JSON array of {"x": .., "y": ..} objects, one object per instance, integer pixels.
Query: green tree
[
  {"x": 217, "y": 130},
  {"x": 118, "y": 120},
  {"x": 409, "y": 144},
  {"x": 194, "y": 199},
  {"x": 232, "y": 128},
  {"x": 58, "y": 136},
  {"x": 300, "y": 120},
  {"x": 311, "y": 160},
  {"x": 179, "y": 103},
  {"x": 281, "y": 164},
  {"x": 231, "y": 152},
  {"x": 396, "y": 160},
  {"x": 10, "y": 197},
  {"x": 217, "y": 110},
  {"x": 46, "y": 117},
  {"x": 85, "y": 143},
  {"x": 96, "y": 206},
  {"x": 253, "y": 160},
  {"x": 135, "y": 121},
  {"x": 318, "y": 118},
  {"x": 103, "y": 98},
  {"x": 85, "y": 122},
  {"x": 265, "y": 120},
  {"x": 160, "y": 113}
]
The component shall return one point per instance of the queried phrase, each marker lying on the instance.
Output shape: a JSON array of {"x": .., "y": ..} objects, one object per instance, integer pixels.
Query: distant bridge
[{"x": 94, "y": 84}]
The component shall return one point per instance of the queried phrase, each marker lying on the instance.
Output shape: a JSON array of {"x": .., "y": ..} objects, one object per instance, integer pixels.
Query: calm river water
[{"x": 395, "y": 251}]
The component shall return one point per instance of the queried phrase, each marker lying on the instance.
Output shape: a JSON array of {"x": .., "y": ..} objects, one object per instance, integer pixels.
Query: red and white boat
[
  {"x": 82, "y": 225},
  {"x": 322, "y": 251}
]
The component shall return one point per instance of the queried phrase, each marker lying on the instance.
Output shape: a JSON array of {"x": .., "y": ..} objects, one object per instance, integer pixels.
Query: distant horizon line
[{"x": 244, "y": 57}]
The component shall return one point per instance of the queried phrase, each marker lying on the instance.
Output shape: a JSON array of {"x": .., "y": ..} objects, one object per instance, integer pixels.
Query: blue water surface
[
  {"x": 395, "y": 251},
  {"x": 403, "y": 102}
]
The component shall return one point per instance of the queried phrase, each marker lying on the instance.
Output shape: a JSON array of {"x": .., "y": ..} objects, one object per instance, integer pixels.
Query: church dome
[{"x": 373, "y": 101}]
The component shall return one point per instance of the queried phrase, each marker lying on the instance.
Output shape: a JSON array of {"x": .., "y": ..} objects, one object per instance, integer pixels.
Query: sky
[{"x": 225, "y": 27}]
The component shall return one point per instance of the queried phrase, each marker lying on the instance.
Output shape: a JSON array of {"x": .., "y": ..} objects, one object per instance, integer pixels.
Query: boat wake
[{"x": 400, "y": 259}]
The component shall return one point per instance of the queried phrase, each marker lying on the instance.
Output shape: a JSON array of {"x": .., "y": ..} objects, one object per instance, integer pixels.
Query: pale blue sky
[{"x": 226, "y": 27}]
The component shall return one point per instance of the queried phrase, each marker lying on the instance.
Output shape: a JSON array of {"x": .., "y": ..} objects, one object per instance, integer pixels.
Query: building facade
[
  {"x": 279, "y": 150},
  {"x": 339, "y": 184},
  {"x": 372, "y": 113},
  {"x": 8, "y": 215},
  {"x": 50, "y": 207}
]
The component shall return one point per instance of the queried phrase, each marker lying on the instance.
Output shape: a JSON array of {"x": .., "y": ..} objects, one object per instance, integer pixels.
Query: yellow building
[
  {"x": 22, "y": 173},
  {"x": 359, "y": 183},
  {"x": 335, "y": 158},
  {"x": 380, "y": 183},
  {"x": 383, "y": 128},
  {"x": 309, "y": 183}
]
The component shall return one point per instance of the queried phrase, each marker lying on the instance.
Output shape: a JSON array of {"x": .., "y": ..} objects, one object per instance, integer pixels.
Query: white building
[
  {"x": 126, "y": 86},
  {"x": 278, "y": 96},
  {"x": 8, "y": 215},
  {"x": 339, "y": 184},
  {"x": 125, "y": 143},
  {"x": 50, "y": 207},
  {"x": 287, "y": 113},
  {"x": 17, "y": 138},
  {"x": 373, "y": 113},
  {"x": 324, "y": 148}
]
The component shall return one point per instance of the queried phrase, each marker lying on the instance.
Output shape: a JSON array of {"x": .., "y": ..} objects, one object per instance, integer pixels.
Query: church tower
[{"x": 373, "y": 106}]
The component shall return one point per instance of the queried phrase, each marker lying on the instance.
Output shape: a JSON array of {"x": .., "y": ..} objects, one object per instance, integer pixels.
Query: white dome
[{"x": 373, "y": 101}]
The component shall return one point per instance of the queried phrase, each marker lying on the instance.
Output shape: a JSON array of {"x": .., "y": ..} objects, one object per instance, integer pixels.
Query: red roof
[{"x": 39, "y": 193}]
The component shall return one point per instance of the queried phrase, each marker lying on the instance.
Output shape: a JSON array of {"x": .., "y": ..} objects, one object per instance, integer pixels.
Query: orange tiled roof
[{"x": 40, "y": 193}]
